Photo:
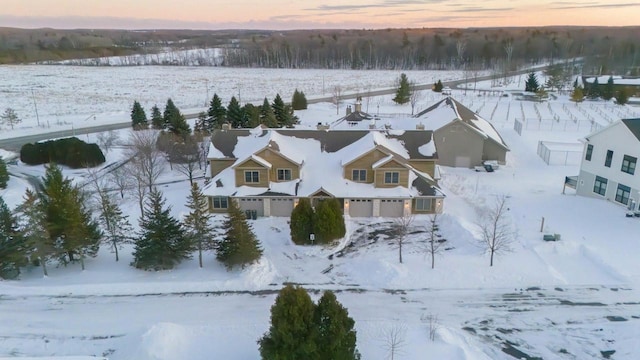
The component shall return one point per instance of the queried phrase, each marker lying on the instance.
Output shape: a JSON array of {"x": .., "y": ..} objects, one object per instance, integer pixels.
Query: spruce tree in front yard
[
  {"x": 217, "y": 114},
  {"x": 531, "y": 84},
  {"x": 198, "y": 222},
  {"x": 403, "y": 92},
  {"x": 239, "y": 245},
  {"x": 138, "y": 117},
  {"x": 336, "y": 336},
  {"x": 162, "y": 242},
  {"x": 234, "y": 113},
  {"x": 301, "y": 223},
  {"x": 267, "y": 117},
  {"x": 157, "y": 121},
  {"x": 33, "y": 229},
  {"x": 328, "y": 224}
]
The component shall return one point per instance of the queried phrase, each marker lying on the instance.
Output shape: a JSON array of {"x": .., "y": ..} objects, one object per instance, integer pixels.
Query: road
[{"x": 16, "y": 143}]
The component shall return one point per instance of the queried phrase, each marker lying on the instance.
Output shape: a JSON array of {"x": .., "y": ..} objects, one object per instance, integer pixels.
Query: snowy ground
[{"x": 573, "y": 299}]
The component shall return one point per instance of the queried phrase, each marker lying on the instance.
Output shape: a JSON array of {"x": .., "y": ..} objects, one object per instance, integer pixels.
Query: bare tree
[
  {"x": 337, "y": 97},
  {"x": 119, "y": 179},
  {"x": 187, "y": 158},
  {"x": 433, "y": 323},
  {"x": 497, "y": 234},
  {"x": 402, "y": 225},
  {"x": 203, "y": 148},
  {"x": 435, "y": 243},
  {"x": 414, "y": 96},
  {"x": 146, "y": 159},
  {"x": 139, "y": 188},
  {"x": 393, "y": 338},
  {"x": 107, "y": 140}
]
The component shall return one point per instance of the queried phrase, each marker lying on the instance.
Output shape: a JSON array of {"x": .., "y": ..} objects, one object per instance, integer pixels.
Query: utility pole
[{"x": 33, "y": 96}]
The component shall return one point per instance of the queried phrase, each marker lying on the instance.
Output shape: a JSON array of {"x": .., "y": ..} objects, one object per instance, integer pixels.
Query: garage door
[
  {"x": 392, "y": 208},
  {"x": 252, "y": 204},
  {"x": 463, "y": 161},
  {"x": 360, "y": 207},
  {"x": 281, "y": 206}
]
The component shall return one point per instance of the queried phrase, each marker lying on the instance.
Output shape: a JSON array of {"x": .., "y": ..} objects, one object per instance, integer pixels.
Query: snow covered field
[{"x": 573, "y": 299}]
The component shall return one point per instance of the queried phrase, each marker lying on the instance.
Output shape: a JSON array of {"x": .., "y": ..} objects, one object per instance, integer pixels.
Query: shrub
[{"x": 72, "y": 152}]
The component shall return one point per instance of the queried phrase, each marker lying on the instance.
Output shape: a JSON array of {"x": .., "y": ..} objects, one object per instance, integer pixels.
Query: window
[
  {"x": 284, "y": 174},
  {"x": 607, "y": 161},
  {"x": 622, "y": 195},
  {"x": 423, "y": 204},
  {"x": 220, "y": 202},
  {"x": 600, "y": 186},
  {"x": 391, "y": 177},
  {"x": 629, "y": 164},
  {"x": 589, "y": 152},
  {"x": 359, "y": 175},
  {"x": 252, "y": 176}
]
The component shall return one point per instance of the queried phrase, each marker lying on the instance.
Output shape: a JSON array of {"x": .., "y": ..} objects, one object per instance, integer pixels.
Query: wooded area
[{"x": 605, "y": 49}]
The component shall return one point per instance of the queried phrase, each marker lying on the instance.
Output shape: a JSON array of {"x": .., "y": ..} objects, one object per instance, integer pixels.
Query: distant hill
[{"x": 604, "y": 49}]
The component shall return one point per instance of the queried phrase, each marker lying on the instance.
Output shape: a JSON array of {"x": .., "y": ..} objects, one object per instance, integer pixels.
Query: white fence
[
  {"x": 559, "y": 153},
  {"x": 555, "y": 125}
]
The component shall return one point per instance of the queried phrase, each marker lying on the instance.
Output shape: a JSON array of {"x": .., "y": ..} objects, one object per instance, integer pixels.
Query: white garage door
[
  {"x": 360, "y": 207},
  {"x": 391, "y": 208},
  {"x": 463, "y": 161},
  {"x": 281, "y": 206},
  {"x": 255, "y": 204}
]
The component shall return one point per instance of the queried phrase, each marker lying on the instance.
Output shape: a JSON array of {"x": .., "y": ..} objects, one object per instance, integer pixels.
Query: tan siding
[
  {"x": 430, "y": 211},
  {"x": 391, "y": 165},
  {"x": 365, "y": 162},
  {"x": 263, "y": 177},
  {"x": 216, "y": 211},
  {"x": 428, "y": 166},
  {"x": 217, "y": 165},
  {"x": 403, "y": 178},
  {"x": 279, "y": 162}
]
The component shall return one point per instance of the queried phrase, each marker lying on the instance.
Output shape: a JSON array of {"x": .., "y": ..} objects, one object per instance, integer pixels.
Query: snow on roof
[
  {"x": 382, "y": 161},
  {"x": 617, "y": 80},
  {"x": 261, "y": 161},
  {"x": 428, "y": 149},
  {"x": 322, "y": 169}
]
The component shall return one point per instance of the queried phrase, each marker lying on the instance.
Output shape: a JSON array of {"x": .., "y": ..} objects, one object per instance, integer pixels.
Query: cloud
[
  {"x": 562, "y": 5},
  {"x": 480, "y": 9},
  {"x": 377, "y": 5}
]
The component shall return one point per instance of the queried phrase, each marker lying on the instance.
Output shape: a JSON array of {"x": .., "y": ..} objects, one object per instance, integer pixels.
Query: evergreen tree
[
  {"x": 531, "y": 84},
  {"x": 235, "y": 115},
  {"x": 174, "y": 120},
  {"x": 217, "y": 114},
  {"x": 608, "y": 92},
  {"x": 328, "y": 223},
  {"x": 10, "y": 118},
  {"x": 299, "y": 100},
  {"x": 198, "y": 222},
  {"x": 437, "y": 87},
  {"x": 267, "y": 117},
  {"x": 33, "y": 229},
  {"x": 162, "y": 242},
  {"x": 336, "y": 337},
  {"x": 115, "y": 225},
  {"x": 138, "y": 117},
  {"x": 157, "y": 121},
  {"x": 4, "y": 174},
  {"x": 577, "y": 95},
  {"x": 13, "y": 253},
  {"x": 239, "y": 246},
  {"x": 201, "y": 124},
  {"x": 622, "y": 96},
  {"x": 301, "y": 224},
  {"x": 403, "y": 92},
  {"x": 69, "y": 222},
  {"x": 292, "y": 334},
  {"x": 283, "y": 113},
  {"x": 594, "y": 89},
  {"x": 251, "y": 115}
]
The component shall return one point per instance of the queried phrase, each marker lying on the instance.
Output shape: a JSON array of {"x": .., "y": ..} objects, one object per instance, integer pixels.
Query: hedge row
[{"x": 71, "y": 152}]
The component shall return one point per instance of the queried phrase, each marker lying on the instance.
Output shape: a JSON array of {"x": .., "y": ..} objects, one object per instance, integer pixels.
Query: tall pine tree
[
  {"x": 4, "y": 174},
  {"x": 235, "y": 115},
  {"x": 292, "y": 334},
  {"x": 336, "y": 336},
  {"x": 157, "y": 121},
  {"x": 239, "y": 245},
  {"x": 33, "y": 229},
  {"x": 217, "y": 114},
  {"x": 138, "y": 117},
  {"x": 531, "y": 84},
  {"x": 280, "y": 111},
  {"x": 608, "y": 92},
  {"x": 403, "y": 92},
  {"x": 13, "y": 253},
  {"x": 298, "y": 101},
  {"x": 267, "y": 117},
  {"x": 198, "y": 222},
  {"x": 162, "y": 242},
  {"x": 174, "y": 120}
]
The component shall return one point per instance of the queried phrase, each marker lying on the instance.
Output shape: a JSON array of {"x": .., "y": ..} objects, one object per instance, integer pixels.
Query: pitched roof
[{"x": 634, "y": 126}]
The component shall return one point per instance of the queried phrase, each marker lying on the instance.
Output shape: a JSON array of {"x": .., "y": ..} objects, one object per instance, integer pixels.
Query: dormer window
[
  {"x": 359, "y": 175},
  {"x": 284, "y": 174},
  {"x": 391, "y": 177},
  {"x": 252, "y": 176}
]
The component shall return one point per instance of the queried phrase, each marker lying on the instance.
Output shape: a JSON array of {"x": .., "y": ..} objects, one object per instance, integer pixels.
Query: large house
[
  {"x": 462, "y": 137},
  {"x": 372, "y": 173},
  {"x": 608, "y": 168}
]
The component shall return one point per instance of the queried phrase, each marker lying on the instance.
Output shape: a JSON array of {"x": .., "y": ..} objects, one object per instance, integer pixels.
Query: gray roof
[
  {"x": 634, "y": 126},
  {"x": 331, "y": 140},
  {"x": 357, "y": 116}
]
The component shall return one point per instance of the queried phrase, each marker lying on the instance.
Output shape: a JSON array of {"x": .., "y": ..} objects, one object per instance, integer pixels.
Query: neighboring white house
[{"x": 608, "y": 169}]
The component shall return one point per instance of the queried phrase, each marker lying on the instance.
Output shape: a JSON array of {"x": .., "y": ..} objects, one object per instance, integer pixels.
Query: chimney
[
  {"x": 348, "y": 110},
  {"x": 359, "y": 104},
  {"x": 226, "y": 126},
  {"x": 321, "y": 126},
  {"x": 420, "y": 126},
  {"x": 372, "y": 124}
]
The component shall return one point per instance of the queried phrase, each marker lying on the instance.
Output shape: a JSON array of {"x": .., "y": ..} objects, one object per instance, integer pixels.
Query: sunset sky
[{"x": 309, "y": 14}]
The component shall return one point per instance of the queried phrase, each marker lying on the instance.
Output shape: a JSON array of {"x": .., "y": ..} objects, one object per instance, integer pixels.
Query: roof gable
[
  {"x": 633, "y": 125},
  {"x": 256, "y": 160}
]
